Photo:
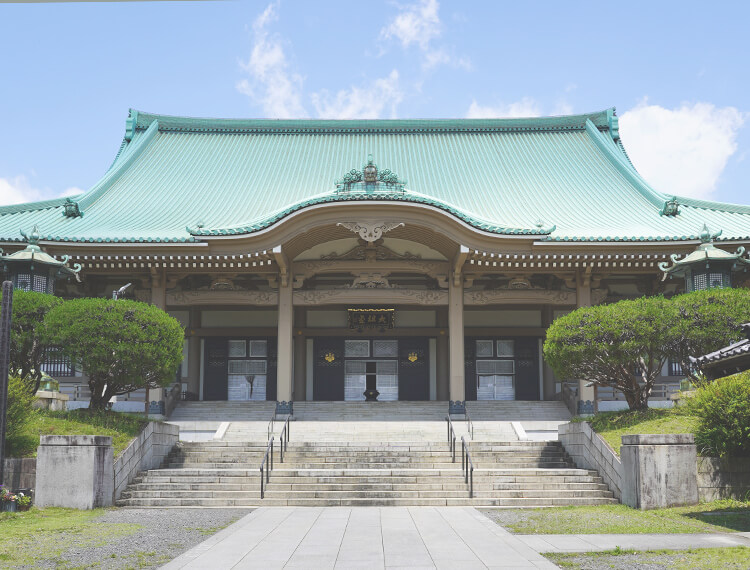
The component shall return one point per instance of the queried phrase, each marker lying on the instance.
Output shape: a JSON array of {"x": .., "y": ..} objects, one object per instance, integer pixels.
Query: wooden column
[
  {"x": 194, "y": 351},
  {"x": 300, "y": 355},
  {"x": 285, "y": 357},
  {"x": 159, "y": 299},
  {"x": 158, "y": 289},
  {"x": 457, "y": 387},
  {"x": 443, "y": 356},
  {"x": 586, "y": 395}
]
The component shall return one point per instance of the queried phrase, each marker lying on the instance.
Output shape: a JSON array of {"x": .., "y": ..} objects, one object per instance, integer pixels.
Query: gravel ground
[
  {"x": 620, "y": 562},
  {"x": 680, "y": 560},
  {"x": 504, "y": 517},
  {"x": 165, "y": 534}
]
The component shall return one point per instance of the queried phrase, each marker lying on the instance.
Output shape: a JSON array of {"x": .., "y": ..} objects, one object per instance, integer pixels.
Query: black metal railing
[
  {"x": 451, "y": 438},
  {"x": 268, "y": 464},
  {"x": 271, "y": 425},
  {"x": 467, "y": 466},
  {"x": 469, "y": 424},
  {"x": 284, "y": 439}
]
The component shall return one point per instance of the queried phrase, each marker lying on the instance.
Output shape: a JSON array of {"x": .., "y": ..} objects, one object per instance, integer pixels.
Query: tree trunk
[{"x": 99, "y": 396}]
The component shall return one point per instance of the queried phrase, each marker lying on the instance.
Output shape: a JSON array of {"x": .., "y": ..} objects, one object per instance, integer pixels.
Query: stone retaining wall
[
  {"x": 723, "y": 478},
  {"x": 20, "y": 473},
  {"x": 147, "y": 451},
  {"x": 588, "y": 450}
]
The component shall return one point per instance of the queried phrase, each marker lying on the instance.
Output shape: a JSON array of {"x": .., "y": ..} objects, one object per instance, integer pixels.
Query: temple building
[{"x": 306, "y": 258}]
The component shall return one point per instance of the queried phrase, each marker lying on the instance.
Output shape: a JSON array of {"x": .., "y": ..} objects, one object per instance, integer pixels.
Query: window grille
[
  {"x": 505, "y": 348},
  {"x": 385, "y": 348},
  {"x": 247, "y": 367},
  {"x": 484, "y": 349},
  {"x": 258, "y": 348},
  {"x": 237, "y": 349},
  {"x": 495, "y": 367},
  {"x": 357, "y": 348},
  {"x": 57, "y": 365}
]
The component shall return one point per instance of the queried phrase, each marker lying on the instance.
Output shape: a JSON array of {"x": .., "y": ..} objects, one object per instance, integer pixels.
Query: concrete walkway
[
  {"x": 362, "y": 537},
  {"x": 599, "y": 542}
]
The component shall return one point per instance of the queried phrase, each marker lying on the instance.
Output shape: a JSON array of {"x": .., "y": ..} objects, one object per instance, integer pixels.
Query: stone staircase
[
  {"x": 357, "y": 453},
  {"x": 353, "y": 473}
]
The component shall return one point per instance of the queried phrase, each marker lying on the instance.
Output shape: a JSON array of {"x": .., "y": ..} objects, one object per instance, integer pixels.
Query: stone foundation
[{"x": 723, "y": 478}]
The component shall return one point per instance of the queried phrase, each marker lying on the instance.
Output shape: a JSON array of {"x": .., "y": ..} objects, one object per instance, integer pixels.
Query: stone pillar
[
  {"x": 443, "y": 356},
  {"x": 457, "y": 387},
  {"x": 285, "y": 358},
  {"x": 74, "y": 471},
  {"x": 659, "y": 470},
  {"x": 300, "y": 356},
  {"x": 159, "y": 299},
  {"x": 586, "y": 395},
  {"x": 548, "y": 376},
  {"x": 194, "y": 351},
  {"x": 158, "y": 289}
]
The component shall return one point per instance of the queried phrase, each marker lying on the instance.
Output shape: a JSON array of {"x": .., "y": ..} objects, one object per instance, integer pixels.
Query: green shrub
[
  {"x": 28, "y": 342},
  {"x": 19, "y": 407},
  {"x": 121, "y": 345},
  {"x": 723, "y": 411}
]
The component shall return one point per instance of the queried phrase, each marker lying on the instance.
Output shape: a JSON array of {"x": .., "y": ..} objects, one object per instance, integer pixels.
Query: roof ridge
[
  {"x": 143, "y": 120},
  {"x": 124, "y": 159},
  {"x": 623, "y": 165},
  {"x": 32, "y": 206},
  {"x": 712, "y": 205}
]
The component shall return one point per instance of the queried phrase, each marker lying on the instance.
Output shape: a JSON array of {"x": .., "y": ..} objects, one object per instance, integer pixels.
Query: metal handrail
[
  {"x": 469, "y": 467},
  {"x": 269, "y": 430},
  {"x": 284, "y": 439},
  {"x": 266, "y": 456},
  {"x": 469, "y": 423},
  {"x": 451, "y": 438}
]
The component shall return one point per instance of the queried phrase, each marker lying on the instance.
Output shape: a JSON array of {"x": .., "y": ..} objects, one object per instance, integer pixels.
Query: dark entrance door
[
  {"x": 215, "y": 376},
  {"x": 328, "y": 369},
  {"x": 413, "y": 368},
  {"x": 250, "y": 358}
]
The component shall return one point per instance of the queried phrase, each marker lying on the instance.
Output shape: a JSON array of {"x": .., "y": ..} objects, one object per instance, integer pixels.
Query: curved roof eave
[{"x": 395, "y": 196}]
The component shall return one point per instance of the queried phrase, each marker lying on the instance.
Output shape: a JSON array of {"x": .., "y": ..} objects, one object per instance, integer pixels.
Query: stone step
[
  {"x": 282, "y": 471},
  {"x": 528, "y": 502},
  {"x": 370, "y": 465}
]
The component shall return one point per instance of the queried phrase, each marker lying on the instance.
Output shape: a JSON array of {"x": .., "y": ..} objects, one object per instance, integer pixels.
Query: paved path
[
  {"x": 362, "y": 537},
  {"x": 599, "y": 542}
]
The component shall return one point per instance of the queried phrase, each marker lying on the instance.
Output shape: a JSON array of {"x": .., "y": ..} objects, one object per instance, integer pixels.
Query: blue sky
[{"x": 676, "y": 71}]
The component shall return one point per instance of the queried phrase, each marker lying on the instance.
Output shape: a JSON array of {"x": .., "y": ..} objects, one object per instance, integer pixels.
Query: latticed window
[{"x": 57, "y": 365}]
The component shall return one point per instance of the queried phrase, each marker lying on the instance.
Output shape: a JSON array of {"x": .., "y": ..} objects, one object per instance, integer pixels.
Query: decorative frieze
[
  {"x": 369, "y": 296},
  {"x": 370, "y": 230},
  {"x": 520, "y": 296},
  {"x": 222, "y": 297}
]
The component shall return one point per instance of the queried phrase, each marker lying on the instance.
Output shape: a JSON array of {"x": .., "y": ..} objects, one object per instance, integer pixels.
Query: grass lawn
[
  {"x": 699, "y": 558},
  {"x": 612, "y": 425},
  {"x": 122, "y": 427},
  {"x": 717, "y": 516},
  {"x": 43, "y": 535}
]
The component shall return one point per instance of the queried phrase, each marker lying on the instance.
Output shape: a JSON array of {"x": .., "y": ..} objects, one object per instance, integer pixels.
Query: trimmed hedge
[{"x": 723, "y": 411}]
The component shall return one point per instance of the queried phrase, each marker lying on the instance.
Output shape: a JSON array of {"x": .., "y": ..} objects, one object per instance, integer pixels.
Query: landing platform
[{"x": 371, "y": 421}]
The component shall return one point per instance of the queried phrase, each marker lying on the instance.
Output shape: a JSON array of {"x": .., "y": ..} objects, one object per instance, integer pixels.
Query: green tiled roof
[{"x": 561, "y": 178}]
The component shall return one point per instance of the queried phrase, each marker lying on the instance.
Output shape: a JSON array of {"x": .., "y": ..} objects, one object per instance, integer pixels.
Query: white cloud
[
  {"x": 271, "y": 83},
  {"x": 526, "y": 107},
  {"x": 72, "y": 191},
  {"x": 684, "y": 150},
  {"x": 368, "y": 102},
  {"x": 419, "y": 24},
  {"x": 415, "y": 24},
  {"x": 18, "y": 190}
]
